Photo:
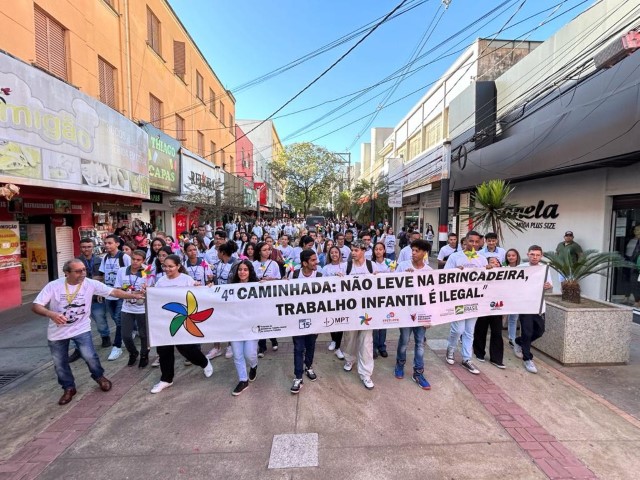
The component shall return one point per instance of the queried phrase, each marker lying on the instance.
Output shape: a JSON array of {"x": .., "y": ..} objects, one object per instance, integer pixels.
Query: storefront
[
  {"x": 164, "y": 180},
  {"x": 65, "y": 151}
]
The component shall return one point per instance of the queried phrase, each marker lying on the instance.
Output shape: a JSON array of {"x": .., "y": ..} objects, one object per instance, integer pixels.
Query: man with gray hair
[{"x": 67, "y": 304}]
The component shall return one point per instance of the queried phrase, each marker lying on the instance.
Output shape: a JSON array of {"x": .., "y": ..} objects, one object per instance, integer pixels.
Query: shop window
[
  {"x": 107, "y": 81},
  {"x": 51, "y": 49},
  {"x": 155, "y": 111},
  {"x": 625, "y": 239},
  {"x": 153, "y": 32},
  {"x": 199, "y": 86},
  {"x": 179, "y": 59}
]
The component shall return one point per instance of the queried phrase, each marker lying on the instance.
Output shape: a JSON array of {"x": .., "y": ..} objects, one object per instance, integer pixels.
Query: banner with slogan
[{"x": 284, "y": 308}]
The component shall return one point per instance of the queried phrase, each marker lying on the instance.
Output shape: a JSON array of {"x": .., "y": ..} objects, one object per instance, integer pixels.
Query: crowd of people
[{"x": 114, "y": 285}]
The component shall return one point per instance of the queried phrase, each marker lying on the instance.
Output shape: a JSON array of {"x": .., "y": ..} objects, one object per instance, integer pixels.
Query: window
[
  {"x": 51, "y": 50},
  {"x": 221, "y": 113},
  {"x": 213, "y": 152},
  {"x": 244, "y": 165},
  {"x": 231, "y": 165},
  {"x": 201, "y": 144},
  {"x": 212, "y": 102},
  {"x": 107, "y": 82},
  {"x": 155, "y": 111},
  {"x": 179, "y": 59},
  {"x": 231, "y": 124},
  {"x": 222, "y": 157},
  {"x": 199, "y": 86},
  {"x": 415, "y": 145},
  {"x": 433, "y": 132},
  {"x": 180, "y": 134},
  {"x": 153, "y": 32}
]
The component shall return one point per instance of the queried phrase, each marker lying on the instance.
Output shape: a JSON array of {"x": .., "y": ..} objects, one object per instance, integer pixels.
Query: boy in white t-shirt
[{"x": 69, "y": 307}]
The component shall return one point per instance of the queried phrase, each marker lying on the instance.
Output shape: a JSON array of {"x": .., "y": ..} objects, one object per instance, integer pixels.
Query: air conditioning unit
[{"x": 618, "y": 49}]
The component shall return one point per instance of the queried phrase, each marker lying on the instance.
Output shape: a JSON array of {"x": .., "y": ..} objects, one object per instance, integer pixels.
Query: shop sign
[
  {"x": 43, "y": 207},
  {"x": 537, "y": 216},
  {"x": 62, "y": 206},
  {"x": 164, "y": 160},
  {"x": 9, "y": 245},
  {"x": 53, "y": 135},
  {"x": 117, "y": 207},
  {"x": 155, "y": 197},
  {"x": 199, "y": 177}
]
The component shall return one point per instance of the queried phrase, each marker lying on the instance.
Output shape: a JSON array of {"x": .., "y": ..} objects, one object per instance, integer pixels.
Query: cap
[{"x": 568, "y": 233}]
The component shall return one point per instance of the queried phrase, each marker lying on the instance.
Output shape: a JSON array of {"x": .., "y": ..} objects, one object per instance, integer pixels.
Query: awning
[{"x": 264, "y": 209}]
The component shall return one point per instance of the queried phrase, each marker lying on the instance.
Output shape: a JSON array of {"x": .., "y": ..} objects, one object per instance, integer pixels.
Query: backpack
[
  {"x": 367, "y": 262},
  {"x": 296, "y": 273}
]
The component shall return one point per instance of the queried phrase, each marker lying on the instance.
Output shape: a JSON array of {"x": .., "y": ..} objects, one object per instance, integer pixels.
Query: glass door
[{"x": 625, "y": 284}]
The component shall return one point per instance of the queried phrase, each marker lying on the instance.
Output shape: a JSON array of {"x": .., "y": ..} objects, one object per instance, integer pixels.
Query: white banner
[{"x": 286, "y": 308}]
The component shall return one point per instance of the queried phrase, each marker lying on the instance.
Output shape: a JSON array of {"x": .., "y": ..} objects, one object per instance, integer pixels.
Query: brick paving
[
  {"x": 30, "y": 460},
  {"x": 556, "y": 461}
]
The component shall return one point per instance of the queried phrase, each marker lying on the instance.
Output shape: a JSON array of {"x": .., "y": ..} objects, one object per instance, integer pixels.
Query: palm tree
[
  {"x": 591, "y": 262},
  {"x": 489, "y": 208},
  {"x": 369, "y": 197},
  {"x": 343, "y": 204}
]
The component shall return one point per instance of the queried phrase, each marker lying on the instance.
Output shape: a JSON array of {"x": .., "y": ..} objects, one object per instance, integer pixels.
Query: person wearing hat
[{"x": 568, "y": 246}]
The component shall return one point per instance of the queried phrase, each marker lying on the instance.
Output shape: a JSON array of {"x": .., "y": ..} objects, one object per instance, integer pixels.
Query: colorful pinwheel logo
[
  {"x": 365, "y": 319},
  {"x": 187, "y": 315}
]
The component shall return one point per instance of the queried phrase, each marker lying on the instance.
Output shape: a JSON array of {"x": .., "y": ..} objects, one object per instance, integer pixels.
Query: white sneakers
[
  {"x": 517, "y": 350},
  {"x": 339, "y": 354},
  {"x": 530, "y": 366},
  {"x": 156, "y": 362},
  {"x": 158, "y": 387},
  {"x": 332, "y": 346},
  {"x": 228, "y": 353},
  {"x": 368, "y": 383},
  {"x": 348, "y": 366},
  {"x": 213, "y": 353},
  {"x": 208, "y": 370},
  {"x": 115, "y": 353}
]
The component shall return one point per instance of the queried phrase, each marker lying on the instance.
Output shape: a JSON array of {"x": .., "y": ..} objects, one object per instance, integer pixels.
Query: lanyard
[{"x": 71, "y": 296}]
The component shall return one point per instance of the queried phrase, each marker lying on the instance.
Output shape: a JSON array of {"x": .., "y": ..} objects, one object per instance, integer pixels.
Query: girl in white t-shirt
[
  {"x": 175, "y": 276},
  {"x": 380, "y": 263},
  {"x": 389, "y": 241},
  {"x": 335, "y": 267},
  {"x": 266, "y": 269}
]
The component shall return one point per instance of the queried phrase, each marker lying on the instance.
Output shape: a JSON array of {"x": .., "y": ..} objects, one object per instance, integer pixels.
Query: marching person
[
  {"x": 496, "y": 345},
  {"x": 266, "y": 269},
  {"x": 69, "y": 306}
]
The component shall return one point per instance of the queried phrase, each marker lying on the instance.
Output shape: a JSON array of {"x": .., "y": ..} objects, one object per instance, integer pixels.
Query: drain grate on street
[{"x": 7, "y": 378}]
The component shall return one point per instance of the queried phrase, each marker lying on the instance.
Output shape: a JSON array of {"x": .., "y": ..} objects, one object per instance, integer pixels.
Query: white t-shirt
[
  {"x": 77, "y": 312},
  {"x": 211, "y": 256},
  {"x": 181, "y": 280},
  {"x": 390, "y": 243},
  {"x": 223, "y": 271},
  {"x": 110, "y": 266},
  {"x": 287, "y": 252},
  {"x": 200, "y": 273},
  {"x": 266, "y": 269},
  {"x": 499, "y": 252},
  {"x": 381, "y": 267},
  {"x": 345, "y": 252},
  {"x": 135, "y": 281},
  {"x": 360, "y": 270},
  {"x": 405, "y": 254},
  {"x": 446, "y": 251},
  {"x": 330, "y": 270},
  {"x": 405, "y": 266},
  {"x": 460, "y": 259}
]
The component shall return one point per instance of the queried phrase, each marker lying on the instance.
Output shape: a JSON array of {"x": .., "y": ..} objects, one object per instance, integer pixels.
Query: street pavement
[{"x": 565, "y": 422}]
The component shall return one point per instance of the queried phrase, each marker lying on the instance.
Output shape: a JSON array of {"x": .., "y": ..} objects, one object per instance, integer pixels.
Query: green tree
[
  {"x": 490, "y": 209},
  {"x": 591, "y": 262},
  {"x": 307, "y": 170},
  {"x": 342, "y": 204},
  {"x": 370, "y": 199}
]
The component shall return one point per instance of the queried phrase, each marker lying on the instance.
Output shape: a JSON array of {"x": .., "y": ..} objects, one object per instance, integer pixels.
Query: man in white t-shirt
[
  {"x": 448, "y": 249},
  {"x": 468, "y": 258},
  {"x": 531, "y": 324},
  {"x": 359, "y": 343},
  {"x": 69, "y": 308},
  {"x": 344, "y": 250},
  {"x": 419, "y": 250},
  {"x": 405, "y": 254},
  {"x": 285, "y": 248},
  {"x": 491, "y": 248}
]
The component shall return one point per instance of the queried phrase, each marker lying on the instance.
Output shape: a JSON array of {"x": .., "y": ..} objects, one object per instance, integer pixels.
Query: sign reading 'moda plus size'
[{"x": 320, "y": 305}]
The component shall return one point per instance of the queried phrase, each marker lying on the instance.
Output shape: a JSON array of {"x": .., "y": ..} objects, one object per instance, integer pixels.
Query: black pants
[
  {"x": 496, "y": 345},
  {"x": 531, "y": 329},
  {"x": 337, "y": 337},
  {"x": 167, "y": 359},
  {"x": 304, "y": 347},
  {"x": 128, "y": 321},
  {"x": 262, "y": 344}
]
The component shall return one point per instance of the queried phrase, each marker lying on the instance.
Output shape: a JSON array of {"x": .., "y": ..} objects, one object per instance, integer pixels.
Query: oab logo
[{"x": 497, "y": 305}]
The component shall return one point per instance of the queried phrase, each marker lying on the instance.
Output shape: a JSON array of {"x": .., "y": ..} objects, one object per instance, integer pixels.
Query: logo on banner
[
  {"x": 390, "y": 318},
  {"x": 497, "y": 305},
  {"x": 304, "y": 323},
  {"x": 187, "y": 316},
  {"x": 336, "y": 320},
  {"x": 365, "y": 319},
  {"x": 421, "y": 318},
  {"x": 462, "y": 309},
  {"x": 268, "y": 328}
]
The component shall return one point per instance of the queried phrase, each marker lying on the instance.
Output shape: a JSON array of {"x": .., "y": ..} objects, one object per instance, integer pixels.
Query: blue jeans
[
  {"x": 60, "y": 353},
  {"x": 379, "y": 337},
  {"x": 418, "y": 338},
  {"x": 464, "y": 328},
  {"x": 512, "y": 325},
  {"x": 99, "y": 315},
  {"x": 114, "y": 307},
  {"x": 304, "y": 347},
  {"x": 243, "y": 352}
]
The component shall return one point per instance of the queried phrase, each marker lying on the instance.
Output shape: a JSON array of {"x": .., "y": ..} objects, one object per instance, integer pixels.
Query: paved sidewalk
[{"x": 561, "y": 423}]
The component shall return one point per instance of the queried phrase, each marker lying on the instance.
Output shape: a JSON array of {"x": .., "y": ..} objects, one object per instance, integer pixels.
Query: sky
[{"x": 245, "y": 39}]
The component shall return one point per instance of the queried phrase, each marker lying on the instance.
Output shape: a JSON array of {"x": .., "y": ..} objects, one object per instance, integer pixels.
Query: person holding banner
[
  {"x": 380, "y": 265},
  {"x": 468, "y": 258},
  {"x": 496, "y": 345},
  {"x": 175, "y": 275},
  {"x": 196, "y": 266},
  {"x": 420, "y": 250},
  {"x": 304, "y": 346},
  {"x": 446, "y": 251},
  {"x": 335, "y": 267},
  {"x": 245, "y": 350},
  {"x": 512, "y": 259},
  {"x": 266, "y": 269},
  {"x": 359, "y": 342},
  {"x": 531, "y": 324}
]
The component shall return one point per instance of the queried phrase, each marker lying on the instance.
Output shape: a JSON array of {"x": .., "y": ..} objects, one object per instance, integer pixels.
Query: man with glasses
[{"x": 67, "y": 303}]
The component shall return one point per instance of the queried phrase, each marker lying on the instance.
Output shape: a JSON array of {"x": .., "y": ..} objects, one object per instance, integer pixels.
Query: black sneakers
[
  {"x": 241, "y": 387},
  {"x": 106, "y": 342},
  {"x": 311, "y": 374},
  {"x": 132, "y": 359},
  {"x": 253, "y": 373},
  {"x": 297, "y": 385}
]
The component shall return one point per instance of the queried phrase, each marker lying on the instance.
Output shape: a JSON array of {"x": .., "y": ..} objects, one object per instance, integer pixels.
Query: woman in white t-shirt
[
  {"x": 134, "y": 278},
  {"x": 335, "y": 267},
  {"x": 389, "y": 240},
  {"x": 381, "y": 264},
  {"x": 266, "y": 269},
  {"x": 175, "y": 276}
]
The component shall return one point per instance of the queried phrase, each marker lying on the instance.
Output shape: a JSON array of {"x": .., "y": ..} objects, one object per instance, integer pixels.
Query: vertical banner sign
[
  {"x": 9, "y": 245},
  {"x": 320, "y": 305}
]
